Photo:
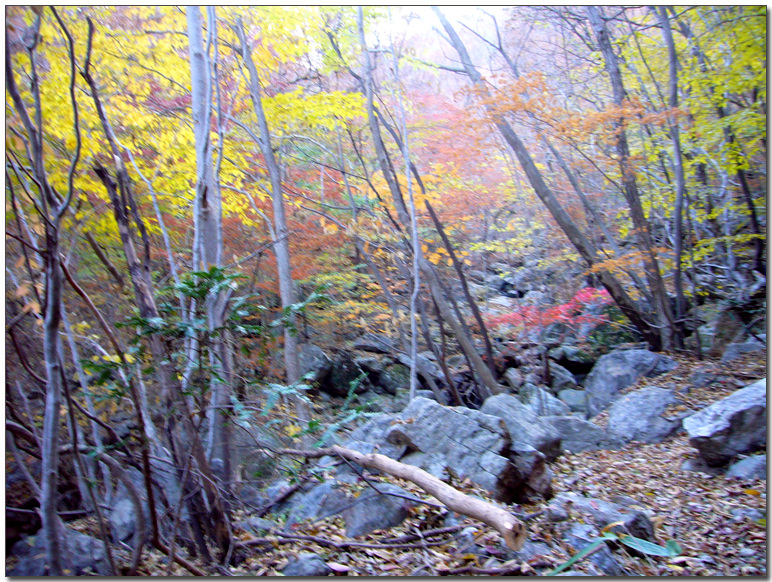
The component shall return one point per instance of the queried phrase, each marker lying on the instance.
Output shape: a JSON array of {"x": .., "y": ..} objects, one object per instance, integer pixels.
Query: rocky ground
[{"x": 719, "y": 522}]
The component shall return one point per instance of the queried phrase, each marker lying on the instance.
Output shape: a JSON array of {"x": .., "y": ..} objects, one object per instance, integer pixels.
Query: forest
[{"x": 481, "y": 276}]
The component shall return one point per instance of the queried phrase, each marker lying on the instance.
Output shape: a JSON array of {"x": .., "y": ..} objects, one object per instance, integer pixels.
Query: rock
[
  {"x": 562, "y": 379},
  {"x": 430, "y": 395},
  {"x": 315, "y": 365},
  {"x": 374, "y": 343},
  {"x": 524, "y": 426},
  {"x": 542, "y": 402},
  {"x": 123, "y": 516},
  {"x": 469, "y": 443},
  {"x": 582, "y": 535},
  {"x": 307, "y": 564},
  {"x": 343, "y": 375},
  {"x": 573, "y": 359},
  {"x": 320, "y": 501},
  {"x": 734, "y": 351},
  {"x": 734, "y": 425},
  {"x": 394, "y": 377},
  {"x": 514, "y": 379},
  {"x": 81, "y": 555},
  {"x": 535, "y": 298},
  {"x": 637, "y": 416},
  {"x": 602, "y": 513},
  {"x": 576, "y": 400},
  {"x": 702, "y": 377},
  {"x": 256, "y": 525},
  {"x": 529, "y": 551},
  {"x": 618, "y": 370},
  {"x": 754, "y": 467},
  {"x": 724, "y": 327},
  {"x": 579, "y": 435},
  {"x": 698, "y": 465},
  {"x": 373, "y": 510},
  {"x": 425, "y": 366}
]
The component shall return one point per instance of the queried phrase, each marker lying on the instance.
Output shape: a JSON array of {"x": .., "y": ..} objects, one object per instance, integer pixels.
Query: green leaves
[{"x": 670, "y": 550}]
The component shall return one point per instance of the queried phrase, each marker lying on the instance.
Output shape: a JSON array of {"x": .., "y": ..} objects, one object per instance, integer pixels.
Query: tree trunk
[
  {"x": 281, "y": 238},
  {"x": 661, "y": 304},
  {"x": 208, "y": 237},
  {"x": 680, "y": 306}
]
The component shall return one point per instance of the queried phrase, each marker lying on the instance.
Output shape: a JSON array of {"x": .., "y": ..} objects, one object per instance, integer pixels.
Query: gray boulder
[
  {"x": 461, "y": 442},
  {"x": 514, "y": 378},
  {"x": 579, "y": 435},
  {"x": 315, "y": 365},
  {"x": 576, "y": 400},
  {"x": 562, "y": 379},
  {"x": 373, "y": 510},
  {"x": 754, "y": 467},
  {"x": 523, "y": 424},
  {"x": 734, "y": 351},
  {"x": 735, "y": 425},
  {"x": 637, "y": 416},
  {"x": 307, "y": 564},
  {"x": 81, "y": 555},
  {"x": 394, "y": 377},
  {"x": 374, "y": 343},
  {"x": 573, "y": 359},
  {"x": 541, "y": 402},
  {"x": 321, "y": 501},
  {"x": 343, "y": 374},
  {"x": 616, "y": 371}
]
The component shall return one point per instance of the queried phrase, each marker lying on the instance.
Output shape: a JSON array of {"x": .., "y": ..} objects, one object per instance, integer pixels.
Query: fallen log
[{"x": 503, "y": 521}]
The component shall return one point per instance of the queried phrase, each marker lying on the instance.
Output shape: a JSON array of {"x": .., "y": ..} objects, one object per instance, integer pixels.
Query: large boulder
[
  {"x": 737, "y": 424},
  {"x": 576, "y": 400},
  {"x": 81, "y": 555},
  {"x": 387, "y": 507},
  {"x": 754, "y": 467},
  {"x": 523, "y": 424},
  {"x": 562, "y": 379},
  {"x": 616, "y": 371},
  {"x": 637, "y": 416},
  {"x": 315, "y": 365},
  {"x": 322, "y": 500},
  {"x": 460, "y": 442},
  {"x": 736, "y": 350},
  {"x": 578, "y": 434},
  {"x": 542, "y": 402},
  {"x": 344, "y": 375}
]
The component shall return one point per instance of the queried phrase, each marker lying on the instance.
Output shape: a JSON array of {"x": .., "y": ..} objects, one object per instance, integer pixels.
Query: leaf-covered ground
[{"x": 717, "y": 521}]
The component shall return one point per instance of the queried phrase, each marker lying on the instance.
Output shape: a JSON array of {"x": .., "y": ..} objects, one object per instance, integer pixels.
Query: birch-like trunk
[
  {"x": 281, "y": 232},
  {"x": 208, "y": 235}
]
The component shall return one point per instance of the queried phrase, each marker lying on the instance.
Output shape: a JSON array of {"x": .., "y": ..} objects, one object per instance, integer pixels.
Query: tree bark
[
  {"x": 503, "y": 521},
  {"x": 661, "y": 307},
  {"x": 281, "y": 238},
  {"x": 680, "y": 180}
]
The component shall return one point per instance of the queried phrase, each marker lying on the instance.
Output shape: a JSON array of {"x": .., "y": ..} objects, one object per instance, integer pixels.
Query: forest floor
[{"x": 692, "y": 508}]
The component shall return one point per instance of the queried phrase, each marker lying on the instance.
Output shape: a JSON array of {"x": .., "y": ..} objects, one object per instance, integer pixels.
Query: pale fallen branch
[{"x": 510, "y": 527}]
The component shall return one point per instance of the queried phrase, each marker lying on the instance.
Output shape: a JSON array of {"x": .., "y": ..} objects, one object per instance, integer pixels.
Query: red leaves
[{"x": 571, "y": 313}]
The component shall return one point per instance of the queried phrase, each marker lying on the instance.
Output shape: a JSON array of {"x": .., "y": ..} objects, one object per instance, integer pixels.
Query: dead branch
[{"x": 510, "y": 528}]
